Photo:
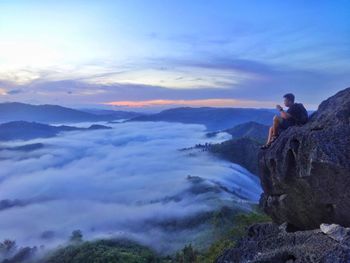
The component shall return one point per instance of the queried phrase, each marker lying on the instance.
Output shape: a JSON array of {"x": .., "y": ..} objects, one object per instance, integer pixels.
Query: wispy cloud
[
  {"x": 3, "y": 92},
  {"x": 234, "y": 81}
]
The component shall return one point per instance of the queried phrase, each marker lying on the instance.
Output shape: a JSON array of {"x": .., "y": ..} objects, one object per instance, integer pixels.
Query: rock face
[
  {"x": 305, "y": 174},
  {"x": 270, "y": 243}
]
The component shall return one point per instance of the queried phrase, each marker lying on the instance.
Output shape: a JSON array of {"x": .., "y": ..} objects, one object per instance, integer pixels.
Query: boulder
[
  {"x": 305, "y": 174},
  {"x": 335, "y": 231}
]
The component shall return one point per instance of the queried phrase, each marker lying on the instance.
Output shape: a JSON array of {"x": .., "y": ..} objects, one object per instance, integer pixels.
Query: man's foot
[
  {"x": 273, "y": 139},
  {"x": 267, "y": 145}
]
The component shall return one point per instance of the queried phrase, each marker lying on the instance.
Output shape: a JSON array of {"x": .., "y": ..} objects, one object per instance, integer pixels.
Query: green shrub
[
  {"x": 228, "y": 238},
  {"x": 102, "y": 251}
]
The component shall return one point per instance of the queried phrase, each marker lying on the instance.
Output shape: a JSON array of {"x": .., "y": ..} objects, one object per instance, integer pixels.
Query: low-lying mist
[{"x": 131, "y": 181}]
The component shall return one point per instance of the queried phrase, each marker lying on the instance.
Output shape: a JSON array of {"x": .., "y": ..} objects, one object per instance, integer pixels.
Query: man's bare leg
[
  {"x": 273, "y": 131},
  {"x": 276, "y": 122},
  {"x": 270, "y": 135}
]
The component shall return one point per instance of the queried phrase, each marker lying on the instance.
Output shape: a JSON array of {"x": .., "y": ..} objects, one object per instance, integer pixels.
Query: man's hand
[{"x": 279, "y": 107}]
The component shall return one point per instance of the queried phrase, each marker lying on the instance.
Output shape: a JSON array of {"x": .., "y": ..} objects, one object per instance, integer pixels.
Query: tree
[
  {"x": 7, "y": 247},
  {"x": 190, "y": 255},
  {"x": 187, "y": 255},
  {"x": 77, "y": 236}
]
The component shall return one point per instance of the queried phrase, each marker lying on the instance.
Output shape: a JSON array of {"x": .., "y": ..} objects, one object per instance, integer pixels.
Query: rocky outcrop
[
  {"x": 270, "y": 243},
  {"x": 305, "y": 174}
]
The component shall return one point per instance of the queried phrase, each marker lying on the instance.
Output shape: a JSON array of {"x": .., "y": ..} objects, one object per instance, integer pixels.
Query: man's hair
[{"x": 289, "y": 96}]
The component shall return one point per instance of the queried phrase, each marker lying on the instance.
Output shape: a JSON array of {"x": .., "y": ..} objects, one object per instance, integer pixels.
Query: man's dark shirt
[
  {"x": 298, "y": 116},
  {"x": 294, "y": 112}
]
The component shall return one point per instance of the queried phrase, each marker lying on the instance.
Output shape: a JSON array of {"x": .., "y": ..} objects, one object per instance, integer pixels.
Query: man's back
[{"x": 299, "y": 114}]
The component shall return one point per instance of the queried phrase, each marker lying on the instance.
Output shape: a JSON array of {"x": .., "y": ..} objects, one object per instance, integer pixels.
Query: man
[{"x": 295, "y": 115}]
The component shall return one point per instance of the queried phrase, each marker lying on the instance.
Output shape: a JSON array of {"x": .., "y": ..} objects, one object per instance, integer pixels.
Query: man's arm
[{"x": 284, "y": 115}]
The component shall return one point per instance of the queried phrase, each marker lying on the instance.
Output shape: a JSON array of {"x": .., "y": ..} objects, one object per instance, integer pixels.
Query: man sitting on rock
[{"x": 295, "y": 115}]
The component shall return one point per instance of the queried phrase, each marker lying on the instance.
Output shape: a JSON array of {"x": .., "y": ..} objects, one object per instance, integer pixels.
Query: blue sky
[{"x": 170, "y": 53}]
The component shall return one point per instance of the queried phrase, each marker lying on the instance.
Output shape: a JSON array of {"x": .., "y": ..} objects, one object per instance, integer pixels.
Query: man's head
[{"x": 289, "y": 99}]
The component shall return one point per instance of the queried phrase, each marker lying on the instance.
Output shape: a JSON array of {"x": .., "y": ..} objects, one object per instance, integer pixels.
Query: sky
[{"x": 155, "y": 54}]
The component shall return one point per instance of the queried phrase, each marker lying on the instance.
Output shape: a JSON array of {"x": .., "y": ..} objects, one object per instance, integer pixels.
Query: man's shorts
[{"x": 285, "y": 123}]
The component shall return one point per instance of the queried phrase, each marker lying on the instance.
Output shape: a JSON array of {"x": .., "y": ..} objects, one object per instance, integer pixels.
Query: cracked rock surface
[{"x": 270, "y": 243}]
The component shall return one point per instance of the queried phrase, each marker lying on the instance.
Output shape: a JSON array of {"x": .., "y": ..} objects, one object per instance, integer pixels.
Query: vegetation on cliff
[{"x": 228, "y": 228}]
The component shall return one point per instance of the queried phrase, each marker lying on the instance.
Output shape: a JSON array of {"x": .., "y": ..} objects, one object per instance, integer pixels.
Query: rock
[
  {"x": 305, "y": 174},
  {"x": 270, "y": 243},
  {"x": 335, "y": 231}
]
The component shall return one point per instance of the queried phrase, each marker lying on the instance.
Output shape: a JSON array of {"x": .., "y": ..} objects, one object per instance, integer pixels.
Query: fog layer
[{"x": 131, "y": 181}]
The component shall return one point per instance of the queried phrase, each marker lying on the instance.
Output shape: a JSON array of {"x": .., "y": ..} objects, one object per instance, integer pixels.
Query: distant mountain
[
  {"x": 24, "y": 148},
  {"x": 113, "y": 113},
  {"x": 212, "y": 118},
  {"x": 243, "y": 151},
  {"x": 15, "y": 111},
  {"x": 253, "y": 130},
  {"x": 244, "y": 146},
  {"x": 22, "y": 130}
]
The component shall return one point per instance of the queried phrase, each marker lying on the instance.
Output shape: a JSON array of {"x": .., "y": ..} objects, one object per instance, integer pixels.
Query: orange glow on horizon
[{"x": 197, "y": 102}]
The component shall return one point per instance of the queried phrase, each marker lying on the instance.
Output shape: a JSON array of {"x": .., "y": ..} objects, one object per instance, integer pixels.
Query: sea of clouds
[{"x": 130, "y": 181}]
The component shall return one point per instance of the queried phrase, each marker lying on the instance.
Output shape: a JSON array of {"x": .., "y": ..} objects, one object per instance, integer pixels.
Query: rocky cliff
[{"x": 305, "y": 174}]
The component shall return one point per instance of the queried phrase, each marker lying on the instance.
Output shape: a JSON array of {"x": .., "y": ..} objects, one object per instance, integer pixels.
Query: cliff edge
[{"x": 305, "y": 176}]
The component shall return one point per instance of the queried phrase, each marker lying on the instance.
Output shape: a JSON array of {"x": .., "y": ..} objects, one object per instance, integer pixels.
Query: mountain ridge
[
  {"x": 23, "y": 130},
  {"x": 213, "y": 118},
  {"x": 48, "y": 113},
  {"x": 244, "y": 146}
]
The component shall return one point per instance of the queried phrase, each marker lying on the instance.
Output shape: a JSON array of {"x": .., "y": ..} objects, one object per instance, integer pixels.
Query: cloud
[
  {"x": 3, "y": 92},
  {"x": 129, "y": 181},
  {"x": 174, "y": 78},
  {"x": 14, "y": 91}
]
